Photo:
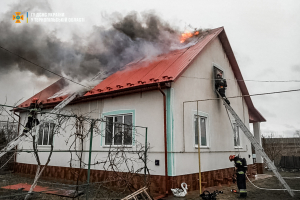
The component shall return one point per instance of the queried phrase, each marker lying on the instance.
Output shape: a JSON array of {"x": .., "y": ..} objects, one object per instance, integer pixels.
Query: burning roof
[
  {"x": 161, "y": 69},
  {"x": 164, "y": 68}
]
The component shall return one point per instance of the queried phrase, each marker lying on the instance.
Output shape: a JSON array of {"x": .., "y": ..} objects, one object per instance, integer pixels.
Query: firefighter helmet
[
  {"x": 34, "y": 100},
  {"x": 231, "y": 157}
]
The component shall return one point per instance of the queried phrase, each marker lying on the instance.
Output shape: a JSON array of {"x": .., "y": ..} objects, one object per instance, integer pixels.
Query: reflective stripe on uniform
[
  {"x": 239, "y": 162},
  {"x": 241, "y": 172},
  {"x": 243, "y": 191}
]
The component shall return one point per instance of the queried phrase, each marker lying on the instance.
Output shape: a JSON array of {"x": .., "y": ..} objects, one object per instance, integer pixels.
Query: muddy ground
[
  {"x": 95, "y": 191},
  {"x": 99, "y": 191},
  {"x": 253, "y": 192}
]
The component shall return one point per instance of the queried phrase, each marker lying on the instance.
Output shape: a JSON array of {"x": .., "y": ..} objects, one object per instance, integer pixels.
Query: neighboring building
[
  {"x": 133, "y": 95},
  {"x": 275, "y": 148}
]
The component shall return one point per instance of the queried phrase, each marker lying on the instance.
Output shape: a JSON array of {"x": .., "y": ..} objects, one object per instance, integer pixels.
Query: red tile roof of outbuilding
[{"x": 164, "y": 68}]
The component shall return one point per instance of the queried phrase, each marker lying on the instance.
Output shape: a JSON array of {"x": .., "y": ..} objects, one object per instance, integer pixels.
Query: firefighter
[
  {"x": 240, "y": 168},
  {"x": 220, "y": 85},
  {"x": 32, "y": 118}
]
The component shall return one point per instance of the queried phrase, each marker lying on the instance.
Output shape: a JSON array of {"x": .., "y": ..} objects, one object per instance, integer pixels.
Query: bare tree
[
  {"x": 125, "y": 168},
  {"x": 274, "y": 147},
  {"x": 38, "y": 135},
  {"x": 297, "y": 133}
]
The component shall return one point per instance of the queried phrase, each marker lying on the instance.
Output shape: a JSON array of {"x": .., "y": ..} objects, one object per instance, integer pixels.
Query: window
[
  {"x": 79, "y": 127},
  {"x": 118, "y": 130},
  {"x": 216, "y": 70},
  {"x": 201, "y": 127},
  {"x": 236, "y": 132},
  {"x": 46, "y": 134}
]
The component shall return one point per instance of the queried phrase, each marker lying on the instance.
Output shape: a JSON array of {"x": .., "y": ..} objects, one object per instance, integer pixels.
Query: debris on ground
[{"x": 47, "y": 190}]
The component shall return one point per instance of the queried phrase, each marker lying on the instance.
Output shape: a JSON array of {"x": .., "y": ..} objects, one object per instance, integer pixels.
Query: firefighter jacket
[
  {"x": 34, "y": 108},
  {"x": 241, "y": 165},
  {"x": 220, "y": 83}
]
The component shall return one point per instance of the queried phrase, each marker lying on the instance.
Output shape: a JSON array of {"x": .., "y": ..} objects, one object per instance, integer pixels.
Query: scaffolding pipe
[
  {"x": 145, "y": 169},
  {"x": 90, "y": 156},
  {"x": 19, "y": 122}
]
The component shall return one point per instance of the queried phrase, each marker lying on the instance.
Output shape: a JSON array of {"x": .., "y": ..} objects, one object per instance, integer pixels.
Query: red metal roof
[
  {"x": 43, "y": 95},
  {"x": 166, "y": 67}
]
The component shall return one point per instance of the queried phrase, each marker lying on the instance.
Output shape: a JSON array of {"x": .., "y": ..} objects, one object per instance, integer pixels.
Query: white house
[{"x": 160, "y": 94}]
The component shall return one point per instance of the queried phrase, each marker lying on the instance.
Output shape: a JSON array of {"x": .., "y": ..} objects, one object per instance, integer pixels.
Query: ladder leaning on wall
[
  {"x": 258, "y": 148},
  {"x": 101, "y": 76},
  {"x": 12, "y": 144}
]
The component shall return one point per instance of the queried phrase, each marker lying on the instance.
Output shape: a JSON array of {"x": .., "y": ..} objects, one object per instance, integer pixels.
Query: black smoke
[{"x": 105, "y": 50}]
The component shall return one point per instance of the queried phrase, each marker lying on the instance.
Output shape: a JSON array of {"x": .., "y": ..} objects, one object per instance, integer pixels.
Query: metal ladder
[
  {"x": 55, "y": 110},
  {"x": 258, "y": 148},
  {"x": 12, "y": 144}
]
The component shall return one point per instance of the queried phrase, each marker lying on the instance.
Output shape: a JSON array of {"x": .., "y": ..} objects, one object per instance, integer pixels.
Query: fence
[{"x": 85, "y": 170}]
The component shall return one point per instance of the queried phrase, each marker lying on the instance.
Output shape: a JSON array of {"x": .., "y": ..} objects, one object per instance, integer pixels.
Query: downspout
[
  {"x": 165, "y": 139},
  {"x": 15, "y": 159}
]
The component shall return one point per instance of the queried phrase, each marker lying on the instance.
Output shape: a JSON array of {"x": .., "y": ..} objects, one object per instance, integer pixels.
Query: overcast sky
[{"x": 264, "y": 36}]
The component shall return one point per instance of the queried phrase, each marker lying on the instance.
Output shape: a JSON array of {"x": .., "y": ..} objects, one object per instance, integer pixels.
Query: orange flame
[{"x": 186, "y": 35}]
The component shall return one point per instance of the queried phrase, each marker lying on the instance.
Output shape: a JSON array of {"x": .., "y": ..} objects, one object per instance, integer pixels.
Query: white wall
[
  {"x": 148, "y": 109},
  {"x": 196, "y": 84}
]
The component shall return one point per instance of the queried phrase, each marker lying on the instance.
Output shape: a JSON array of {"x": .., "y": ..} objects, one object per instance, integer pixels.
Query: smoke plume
[{"x": 105, "y": 51}]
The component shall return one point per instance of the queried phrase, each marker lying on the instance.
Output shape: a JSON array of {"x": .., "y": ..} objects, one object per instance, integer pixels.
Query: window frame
[
  {"x": 216, "y": 67},
  {"x": 50, "y": 132},
  {"x": 236, "y": 127},
  {"x": 201, "y": 115},
  {"x": 114, "y": 127},
  {"x": 113, "y": 114}
]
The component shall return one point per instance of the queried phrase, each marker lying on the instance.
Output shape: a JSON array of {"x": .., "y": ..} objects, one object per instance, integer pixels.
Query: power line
[
  {"x": 242, "y": 80},
  {"x": 43, "y": 67},
  {"x": 248, "y": 95},
  {"x": 284, "y": 91}
]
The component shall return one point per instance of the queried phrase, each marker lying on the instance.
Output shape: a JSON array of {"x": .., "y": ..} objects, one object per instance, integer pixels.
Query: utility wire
[
  {"x": 248, "y": 95},
  {"x": 243, "y": 80},
  {"x": 44, "y": 68}
]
